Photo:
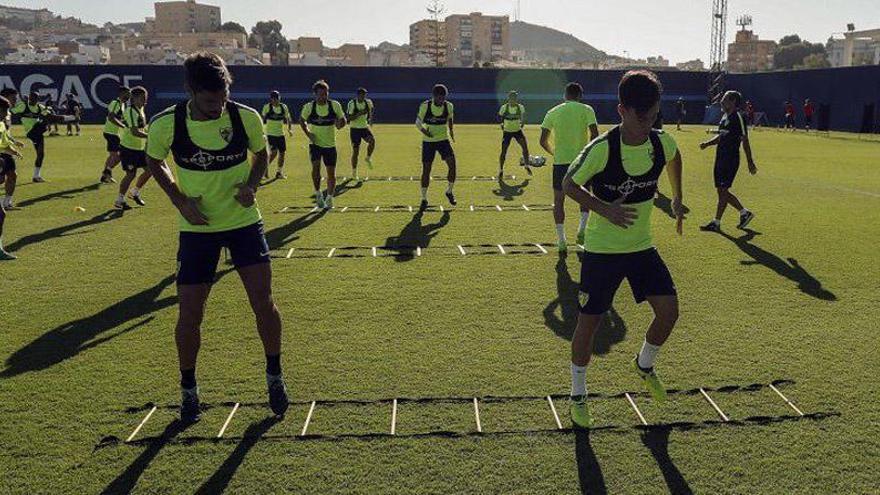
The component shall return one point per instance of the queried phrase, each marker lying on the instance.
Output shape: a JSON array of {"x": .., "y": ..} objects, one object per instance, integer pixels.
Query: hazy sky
[{"x": 676, "y": 29}]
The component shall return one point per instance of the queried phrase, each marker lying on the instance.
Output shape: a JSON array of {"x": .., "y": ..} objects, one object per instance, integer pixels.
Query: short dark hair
[
  {"x": 4, "y": 103},
  {"x": 320, "y": 83},
  {"x": 139, "y": 90},
  {"x": 7, "y": 92},
  {"x": 124, "y": 89},
  {"x": 274, "y": 94},
  {"x": 206, "y": 71},
  {"x": 440, "y": 90},
  {"x": 639, "y": 90},
  {"x": 362, "y": 91},
  {"x": 574, "y": 90},
  {"x": 736, "y": 95}
]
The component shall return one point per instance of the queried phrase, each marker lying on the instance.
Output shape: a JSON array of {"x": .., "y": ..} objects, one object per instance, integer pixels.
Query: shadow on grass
[
  {"x": 664, "y": 203},
  {"x": 657, "y": 441},
  {"x": 285, "y": 234},
  {"x": 66, "y": 194},
  {"x": 416, "y": 234},
  {"x": 590, "y": 476},
  {"x": 611, "y": 331},
  {"x": 63, "y": 230},
  {"x": 346, "y": 186},
  {"x": 510, "y": 191},
  {"x": 788, "y": 268},
  {"x": 126, "y": 481},
  {"x": 69, "y": 339},
  {"x": 219, "y": 481}
]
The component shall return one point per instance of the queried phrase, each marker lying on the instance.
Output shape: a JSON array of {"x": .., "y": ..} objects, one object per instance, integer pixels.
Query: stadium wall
[{"x": 477, "y": 93}]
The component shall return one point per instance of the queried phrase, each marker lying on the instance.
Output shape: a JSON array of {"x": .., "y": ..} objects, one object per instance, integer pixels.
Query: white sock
[
  {"x": 135, "y": 191},
  {"x": 743, "y": 211},
  {"x": 578, "y": 380},
  {"x": 647, "y": 355},
  {"x": 717, "y": 221},
  {"x": 318, "y": 194},
  {"x": 121, "y": 198},
  {"x": 37, "y": 171},
  {"x": 449, "y": 187},
  {"x": 424, "y": 193},
  {"x": 8, "y": 200},
  {"x": 583, "y": 225},
  {"x": 560, "y": 231}
]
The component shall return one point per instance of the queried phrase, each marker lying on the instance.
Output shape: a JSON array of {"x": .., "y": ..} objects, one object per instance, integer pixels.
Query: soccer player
[
  {"x": 7, "y": 168},
  {"x": 681, "y": 111},
  {"x": 731, "y": 132},
  {"x": 616, "y": 178},
  {"x": 573, "y": 125},
  {"x": 73, "y": 108},
  {"x": 513, "y": 117},
  {"x": 113, "y": 125},
  {"x": 360, "y": 119},
  {"x": 789, "y": 116},
  {"x": 215, "y": 193},
  {"x": 8, "y": 175},
  {"x": 750, "y": 113},
  {"x": 436, "y": 120},
  {"x": 319, "y": 119},
  {"x": 809, "y": 109},
  {"x": 35, "y": 118},
  {"x": 276, "y": 115},
  {"x": 132, "y": 144}
]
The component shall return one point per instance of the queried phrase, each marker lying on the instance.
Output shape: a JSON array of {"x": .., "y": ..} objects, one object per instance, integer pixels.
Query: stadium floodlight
[{"x": 850, "y": 27}]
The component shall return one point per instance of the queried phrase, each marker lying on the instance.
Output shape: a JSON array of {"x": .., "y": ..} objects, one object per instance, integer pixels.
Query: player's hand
[
  {"x": 618, "y": 214},
  {"x": 189, "y": 209},
  {"x": 753, "y": 169},
  {"x": 426, "y": 131},
  {"x": 311, "y": 136},
  {"x": 246, "y": 196},
  {"x": 678, "y": 211},
  {"x": 703, "y": 146}
]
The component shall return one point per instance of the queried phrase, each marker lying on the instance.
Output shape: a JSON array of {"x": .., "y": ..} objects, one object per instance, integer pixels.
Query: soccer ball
[{"x": 534, "y": 161}]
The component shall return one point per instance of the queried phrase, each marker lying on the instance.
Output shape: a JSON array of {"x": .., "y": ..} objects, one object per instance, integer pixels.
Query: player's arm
[
  {"x": 711, "y": 142},
  {"x": 370, "y": 114},
  {"x": 288, "y": 121},
  {"x": 420, "y": 125},
  {"x": 247, "y": 191},
  {"x": 451, "y": 124},
  {"x": 340, "y": 120},
  {"x": 674, "y": 170},
  {"x": 303, "y": 122},
  {"x": 594, "y": 132},
  {"x": 545, "y": 140},
  {"x": 113, "y": 118},
  {"x": 747, "y": 147},
  {"x": 590, "y": 162},
  {"x": 161, "y": 134}
]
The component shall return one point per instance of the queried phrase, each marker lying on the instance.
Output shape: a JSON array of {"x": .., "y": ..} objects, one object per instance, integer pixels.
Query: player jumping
[
  {"x": 320, "y": 118},
  {"x": 276, "y": 115},
  {"x": 8, "y": 152},
  {"x": 133, "y": 142},
  {"x": 360, "y": 120},
  {"x": 113, "y": 125},
  {"x": 435, "y": 121}
]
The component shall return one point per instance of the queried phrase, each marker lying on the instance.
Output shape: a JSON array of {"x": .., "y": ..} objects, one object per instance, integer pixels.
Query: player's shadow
[
  {"x": 657, "y": 441},
  {"x": 126, "y": 481},
  {"x": 611, "y": 331},
  {"x": 63, "y": 230},
  {"x": 788, "y": 268},
  {"x": 664, "y": 203},
  {"x": 590, "y": 476},
  {"x": 285, "y": 234},
  {"x": 347, "y": 185},
  {"x": 509, "y": 191},
  {"x": 66, "y": 194},
  {"x": 69, "y": 339},
  {"x": 219, "y": 481},
  {"x": 415, "y": 234}
]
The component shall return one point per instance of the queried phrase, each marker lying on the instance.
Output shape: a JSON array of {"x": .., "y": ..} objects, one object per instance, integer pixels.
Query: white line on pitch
[
  {"x": 141, "y": 425},
  {"x": 553, "y": 409},
  {"x": 477, "y": 416},
  {"x": 313, "y": 210},
  {"x": 635, "y": 408},
  {"x": 461, "y": 249},
  {"x": 394, "y": 417},
  {"x": 284, "y": 209},
  {"x": 474, "y": 178},
  {"x": 498, "y": 207},
  {"x": 389, "y": 178},
  {"x": 418, "y": 250},
  {"x": 377, "y": 209},
  {"x": 441, "y": 208},
  {"x": 343, "y": 209},
  {"x": 790, "y": 403},
  {"x": 526, "y": 208},
  {"x": 541, "y": 248},
  {"x": 714, "y": 405},
  {"x": 374, "y": 251},
  {"x": 330, "y": 254},
  {"x": 366, "y": 178},
  {"x": 501, "y": 248},
  {"x": 493, "y": 177},
  {"x": 472, "y": 207},
  {"x": 411, "y": 178},
  {"x": 228, "y": 419},
  {"x": 290, "y": 253},
  {"x": 410, "y": 208},
  {"x": 308, "y": 418}
]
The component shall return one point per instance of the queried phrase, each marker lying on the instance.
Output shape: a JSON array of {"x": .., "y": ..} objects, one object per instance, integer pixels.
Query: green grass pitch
[{"x": 87, "y": 313}]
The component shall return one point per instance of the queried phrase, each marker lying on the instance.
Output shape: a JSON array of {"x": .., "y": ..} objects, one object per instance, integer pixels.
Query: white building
[
  {"x": 855, "y": 48},
  {"x": 27, "y": 54},
  {"x": 32, "y": 16}
]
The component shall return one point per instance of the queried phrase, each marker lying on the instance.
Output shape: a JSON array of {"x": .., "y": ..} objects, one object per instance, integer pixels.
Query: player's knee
[
  {"x": 263, "y": 304},
  {"x": 667, "y": 314},
  {"x": 190, "y": 316}
]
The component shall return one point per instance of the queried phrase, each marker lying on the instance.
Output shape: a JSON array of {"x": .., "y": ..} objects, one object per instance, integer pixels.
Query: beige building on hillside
[
  {"x": 428, "y": 37},
  {"x": 185, "y": 17},
  {"x": 476, "y": 38},
  {"x": 749, "y": 54}
]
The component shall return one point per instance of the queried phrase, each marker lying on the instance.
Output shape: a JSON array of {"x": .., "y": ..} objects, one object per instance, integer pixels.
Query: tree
[
  {"x": 792, "y": 51},
  {"x": 791, "y": 39},
  {"x": 266, "y": 35},
  {"x": 233, "y": 27},
  {"x": 815, "y": 61}
]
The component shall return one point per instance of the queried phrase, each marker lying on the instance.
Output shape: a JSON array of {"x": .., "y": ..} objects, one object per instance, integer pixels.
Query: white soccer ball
[{"x": 535, "y": 161}]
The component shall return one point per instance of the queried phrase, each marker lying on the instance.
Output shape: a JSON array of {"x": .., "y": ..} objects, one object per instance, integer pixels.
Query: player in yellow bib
[
  {"x": 8, "y": 174},
  {"x": 276, "y": 115},
  {"x": 616, "y": 178},
  {"x": 133, "y": 142},
  {"x": 35, "y": 118},
  {"x": 513, "y": 117},
  {"x": 215, "y": 193},
  {"x": 573, "y": 125},
  {"x": 319, "y": 119},
  {"x": 113, "y": 126},
  {"x": 7, "y": 153},
  {"x": 360, "y": 120},
  {"x": 435, "y": 121}
]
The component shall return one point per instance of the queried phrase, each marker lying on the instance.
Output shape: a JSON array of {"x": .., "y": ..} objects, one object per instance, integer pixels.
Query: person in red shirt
[
  {"x": 808, "y": 114},
  {"x": 789, "y": 116}
]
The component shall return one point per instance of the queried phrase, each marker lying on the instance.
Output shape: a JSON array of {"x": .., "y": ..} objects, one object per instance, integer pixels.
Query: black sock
[
  {"x": 188, "y": 378},
  {"x": 273, "y": 364}
]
